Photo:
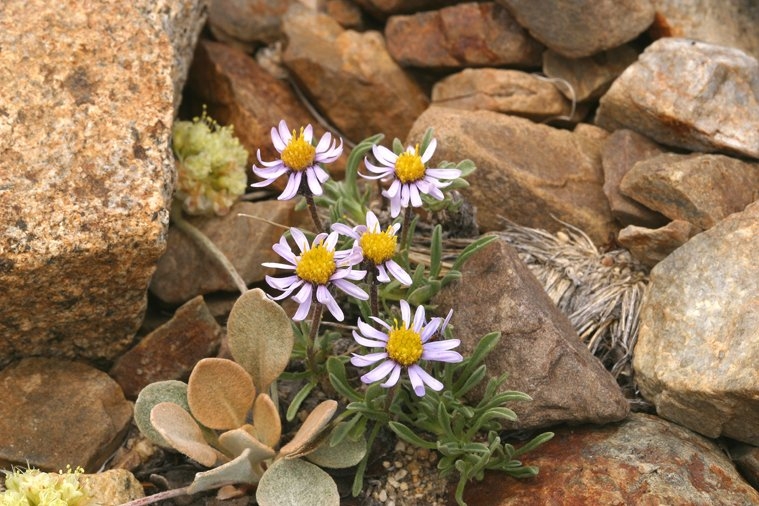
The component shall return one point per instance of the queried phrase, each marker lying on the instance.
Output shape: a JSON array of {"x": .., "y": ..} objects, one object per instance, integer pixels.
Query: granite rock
[
  {"x": 621, "y": 151},
  {"x": 528, "y": 173},
  {"x": 688, "y": 94},
  {"x": 642, "y": 460},
  {"x": 114, "y": 486},
  {"x": 171, "y": 351},
  {"x": 698, "y": 343},
  {"x": 57, "y": 413},
  {"x": 583, "y": 27},
  {"x": 86, "y": 174},
  {"x": 501, "y": 90},
  {"x": 539, "y": 348},
  {"x": 651, "y": 246},
  {"x": 463, "y": 35},
  {"x": 247, "y": 24},
  {"x": 700, "y": 189},
  {"x": 350, "y": 77}
]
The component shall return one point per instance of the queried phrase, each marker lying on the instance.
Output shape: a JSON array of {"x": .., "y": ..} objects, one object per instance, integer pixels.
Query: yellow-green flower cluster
[
  {"x": 32, "y": 487},
  {"x": 211, "y": 169}
]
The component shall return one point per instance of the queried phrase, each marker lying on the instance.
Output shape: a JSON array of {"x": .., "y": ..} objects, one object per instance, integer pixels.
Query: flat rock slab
[
  {"x": 643, "y": 460},
  {"x": 56, "y": 413},
  {"x": 86, "y": 174},
  {"x": 688, "y": 94},
  {"x": 539, "y": 349},
  {"x": 698, "y": 343}
]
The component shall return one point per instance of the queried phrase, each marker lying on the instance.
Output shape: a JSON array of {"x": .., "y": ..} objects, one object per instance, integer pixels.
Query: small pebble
[{"x": 382, "y": 495}]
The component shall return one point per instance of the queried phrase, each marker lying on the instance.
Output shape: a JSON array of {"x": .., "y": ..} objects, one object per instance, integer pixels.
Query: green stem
[
  {"x": 314, "y": 214},
  {"x": 373, "y": 291},
  {"x": 405, "y": 228},
  {"x": 316, "y": 320},
  {"x": 160, "y": 496},
  {"x": 358, "y": 481},
  {"x": 204, "y": 242}
]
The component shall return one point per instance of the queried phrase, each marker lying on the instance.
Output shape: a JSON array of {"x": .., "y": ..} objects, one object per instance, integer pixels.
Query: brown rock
[
  {"x": 588, "y": 77},
  {"x": 345, "y": 12},
  {"x": 527, "y": 173},
  {"x": 56, "y": 413},
  {"x": 746, "y": 458},
  {"x": 383, "y": 8},
  {"x": 86, "y": 174},
  {"x": 114, "y": 486},
  {"x": 539, "y": 348},
  {"x": 187, "y": 270},
  {"x": 726, "y": 23},
  {"x": 622, "y": 150},
  {"x": 642, "y": 460},
  {"x": 688, "y": 94},
  {"x": 350, "y": 77},
  {"x": 582, "y": 28},
  {"x": 700, "y": 189},
  {"x": 501, "y": 90},
  {"x": 239, "y": 92},
  {"x": 247, "y": 24},
  {"x": 467, "y": 34},
  {"x": 651, "y": 246},
  {"x": 698, "y": 343},
  {"x": 171, "y": 351}
]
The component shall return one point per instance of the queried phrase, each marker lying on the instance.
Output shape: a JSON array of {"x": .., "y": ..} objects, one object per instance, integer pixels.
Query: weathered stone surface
[
  {"x": 688, "y": 94},
  {"x": 86, "y": 174},
  {"x": 746, "y": 458},
  {"x": 350, "y": 76},
  {"x": 700, "y": 189},
  {"x": 723, "y": 22},
  {"x": 642, "y": 460},
  {"x": 527, "y": 173},
  {"x": 384, "y": 8},
  {"x": 621, "y": 151},
  {"x": 187, "y": 270},
  {"x": 539, "y": 348},
  {"x": 247, "y": 24},
  {"x": 56, "y": 413},
  {"x": 467, "y": 34},
  {"x": 698, "y": 344},
  {"x": 591, "y": 76},
  {"x": 585, "y": 27},
  {"x": 501, "y": 90},
  {"x": 171, "y": 351},
  {"x": 345, "y": 12},
  {"x": 114, "y": 486},
  {"x": 239, "y": 92},
  {"x": 651, "y": 246}
]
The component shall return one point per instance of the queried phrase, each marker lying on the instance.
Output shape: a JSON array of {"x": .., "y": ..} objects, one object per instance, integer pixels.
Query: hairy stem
[
  {"x": 204, "y": 242},
  {"x": 373, "y": 291},
  {"x": 406, "y": 240},
  {"x": 314, "y": 214},
  {"x": 160, "y": 496},
  {"x": 316, "y": 321}
]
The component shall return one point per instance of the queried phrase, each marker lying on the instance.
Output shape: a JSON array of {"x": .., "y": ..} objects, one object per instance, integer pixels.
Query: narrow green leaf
[
  {"x": 466, "y": 382},
  {"x": 339, "y": 380},
  {"x": 534, "y": 443},
  {"x": 410, "y": 436},
  {"x": 436, "y": 251},
  {"x": 470, "y": 250},
  {"x": 298, "y": 399}
]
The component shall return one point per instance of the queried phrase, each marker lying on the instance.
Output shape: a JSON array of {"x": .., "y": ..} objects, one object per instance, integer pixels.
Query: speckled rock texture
[
  {"x": 86, "y": 172},
  {"x": 643, "y": 460},
  {"x": 56, "y": 413},
  {"x": 698, "y": 344}
]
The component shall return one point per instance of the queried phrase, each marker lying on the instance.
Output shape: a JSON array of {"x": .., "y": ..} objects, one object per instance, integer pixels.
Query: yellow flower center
[
  {"x": 298, "y": 154},
  {"x": 379, "y": 247},
  {"x": 409, "y": 166},
  {"x": 316, "y": 265},
  {"x": 404, "y": 346}
]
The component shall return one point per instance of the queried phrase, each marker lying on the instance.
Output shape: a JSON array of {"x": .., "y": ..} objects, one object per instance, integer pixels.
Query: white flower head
[
  {"x": 410, "y": 175},
  {"x": 376, "y": 247},
  {"x": 316, "y": 269},
  {"x": 298, "y": 156},
  {"x": 404, "y": 346}
]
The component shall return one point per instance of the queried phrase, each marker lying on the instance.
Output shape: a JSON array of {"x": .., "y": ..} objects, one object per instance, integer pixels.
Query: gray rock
[
  {"x": 642, "y": 460},
  {"x": 86, "y": 174},
  {"x": 746, "y": 458},
  {"x": 539, "y": 348},
  {"x": 582, "y": 27},
  {"x": 501, "y": 90},
  {"x": 698, "y": 344},
  {"x": 188, "y": 270},
  {"x": 171, "y": 351},
  {"x": 723, "y": 22},
  {"x": 528, "y": 173},
  {"x": 621, "y": 151},
  {"x": 651, "y": 246},
  {"x": 591, "y": 76},
  {"x": 57, "y": 413},
  {"x": 247, "y": 24},
  {"x": 688, "y": 94},
  {"x": 467, "y": 34},
  {"x": 700, "y": 189},
  {"x": 350, "y": 77}
]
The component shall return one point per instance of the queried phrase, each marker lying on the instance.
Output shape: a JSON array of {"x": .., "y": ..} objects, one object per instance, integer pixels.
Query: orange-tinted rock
[{"x": 651, "y": 246}]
